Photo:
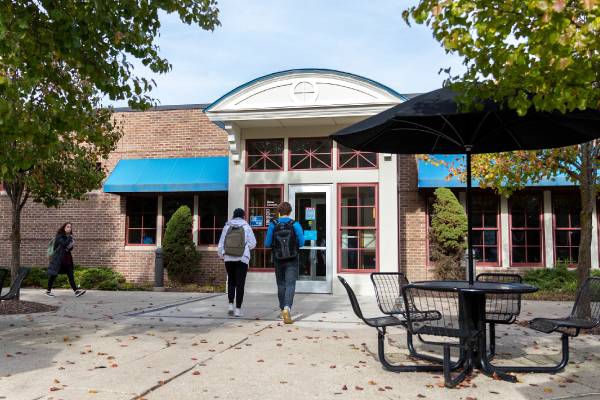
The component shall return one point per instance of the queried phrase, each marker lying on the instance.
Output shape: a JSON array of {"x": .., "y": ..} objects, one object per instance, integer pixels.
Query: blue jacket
[{"x": 297, "y": 229}]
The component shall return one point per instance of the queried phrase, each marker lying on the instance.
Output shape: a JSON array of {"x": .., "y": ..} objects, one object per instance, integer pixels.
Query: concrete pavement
[{"x": 131, "y": 345}]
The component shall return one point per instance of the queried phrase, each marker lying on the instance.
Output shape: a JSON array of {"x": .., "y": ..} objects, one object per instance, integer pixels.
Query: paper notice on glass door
[{"x": 310, "y": 213}]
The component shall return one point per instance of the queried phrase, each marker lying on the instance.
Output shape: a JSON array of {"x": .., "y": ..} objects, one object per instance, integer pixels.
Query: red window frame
[
  {"x": 483, "y": 229},
  {"x": 569, "y": 229},
  {"x": 128, "y": 214},
  {"x": 341, "y": 228},
  {"x": 527, "y": 229},
  {"x": 260, "y": 243},
  {"x": 311, "y": 155},
  {"x": 264, "y": 156},
  {"x": 357, "y": 155},
  {"x": 215, "y": 223}
]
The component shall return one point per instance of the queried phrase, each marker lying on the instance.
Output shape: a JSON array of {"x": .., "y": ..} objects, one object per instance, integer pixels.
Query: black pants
[
  {"x": 70, "y": 275},
  {"x": 236, "y": 279}
]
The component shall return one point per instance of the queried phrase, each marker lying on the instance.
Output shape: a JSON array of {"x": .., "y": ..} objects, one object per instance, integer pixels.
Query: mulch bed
[{"x": 24, "y": 307}]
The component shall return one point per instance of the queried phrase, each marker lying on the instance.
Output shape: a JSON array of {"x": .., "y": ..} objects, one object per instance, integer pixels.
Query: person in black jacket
[{"x": 62, "y": 260}]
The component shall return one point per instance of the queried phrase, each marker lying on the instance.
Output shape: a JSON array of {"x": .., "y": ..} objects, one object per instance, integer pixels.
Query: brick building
[{"x": 267, "y": 141}]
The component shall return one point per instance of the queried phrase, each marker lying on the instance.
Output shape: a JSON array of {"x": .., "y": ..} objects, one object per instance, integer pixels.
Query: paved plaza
[{"x": 134, "y": 345}]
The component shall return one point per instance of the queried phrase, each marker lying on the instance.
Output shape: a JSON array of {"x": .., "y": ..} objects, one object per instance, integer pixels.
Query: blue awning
[
  {"x": 200, "y": 174},
  {"x": 432, "y": 176}
]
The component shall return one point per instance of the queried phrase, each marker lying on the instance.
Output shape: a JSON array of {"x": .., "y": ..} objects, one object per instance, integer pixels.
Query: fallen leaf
[
  {"x": 372, "y": 383},
  {"x": 388, "y": 387},
  {"x": 92, "y": 391},
  {"x": 358, "y": 388},
  {"x": 196, "y": 373},
  {"x": 261, "y": 360},
  {"x": 54, "y": 389},
  {"x": 548, "y": 390},
  {"x": 421, "y": 396},
  {"x": 332, "y": 366},
  {"x": 344, "y": 387}
]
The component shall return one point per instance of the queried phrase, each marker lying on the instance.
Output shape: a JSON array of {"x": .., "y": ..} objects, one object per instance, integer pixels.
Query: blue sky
[{"x": 258, "y": 37}]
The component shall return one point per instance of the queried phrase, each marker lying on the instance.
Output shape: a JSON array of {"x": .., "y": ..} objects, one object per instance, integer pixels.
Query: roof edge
[{"x": 305, "y": 70}]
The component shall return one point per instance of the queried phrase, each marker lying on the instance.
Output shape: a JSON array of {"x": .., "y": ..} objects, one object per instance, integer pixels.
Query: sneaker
[
  {"x": 280, "y": 314},
  {"x": 238, "y": 312},
  {"x": 287, "y": 318},
  {"x": 49, "y": 294},
  {"x": 230, "y": 309},
  {"x": 79, "y": 292}
]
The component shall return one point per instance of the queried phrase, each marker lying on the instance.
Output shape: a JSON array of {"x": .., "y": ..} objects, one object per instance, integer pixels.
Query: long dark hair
[{"x": 61, "y": 230}]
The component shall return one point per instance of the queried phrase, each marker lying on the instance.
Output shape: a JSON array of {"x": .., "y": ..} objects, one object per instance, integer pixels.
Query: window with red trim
[
  {"x": 357, "y": 227},
  {"x": 310, "y": 153},
  {"x": 567, "y": 229},
  {"x": 485, "y": 210},
  {"x": 212, "y": 216},
  {"x": 264, "y": 155},
  {"x": 526, "y": 228},
  {"x": 140, "y": 224},
  {"x": 354, "y": 159},
  {"x": 262, "y": 202}
]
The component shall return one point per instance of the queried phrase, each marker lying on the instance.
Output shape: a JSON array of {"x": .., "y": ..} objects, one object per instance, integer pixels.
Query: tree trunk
[
  {"x": 587, "y": 189},
  {"x": 18, "y": 197}
]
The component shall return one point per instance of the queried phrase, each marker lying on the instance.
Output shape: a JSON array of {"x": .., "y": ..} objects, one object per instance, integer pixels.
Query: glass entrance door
[{"x": 311, "y": 209}]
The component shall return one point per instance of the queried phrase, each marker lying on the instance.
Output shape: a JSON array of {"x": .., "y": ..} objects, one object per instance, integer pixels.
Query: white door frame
[{"x": 306, "y": 286}]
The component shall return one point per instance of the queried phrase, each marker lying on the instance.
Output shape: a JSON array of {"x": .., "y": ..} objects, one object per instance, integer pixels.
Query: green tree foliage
[
  {"x": 447, "y": 235},
  {"x": 58, "y": 60},
  {"x": 528, "y": 54},
  {"x": 180, "y": 255}
]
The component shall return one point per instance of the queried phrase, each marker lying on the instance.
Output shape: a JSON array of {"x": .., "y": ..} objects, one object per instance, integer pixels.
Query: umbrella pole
[{"x": 469, "y": 222}]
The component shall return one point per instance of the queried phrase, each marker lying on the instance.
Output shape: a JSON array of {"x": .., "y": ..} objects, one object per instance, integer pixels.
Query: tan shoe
[{"x": 287, "y": 318}]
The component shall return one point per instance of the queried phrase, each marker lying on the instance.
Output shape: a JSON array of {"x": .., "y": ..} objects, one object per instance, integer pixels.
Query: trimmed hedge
[{"x": 85, "y": 278}]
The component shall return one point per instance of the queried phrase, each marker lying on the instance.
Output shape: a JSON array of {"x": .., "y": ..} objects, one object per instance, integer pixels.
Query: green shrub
[
  {"x": 179, "y": 251},
  {"x": 85, "y": 278},
  {"x": 447, "y": 235},
  {"x": 559, "y": 279}
]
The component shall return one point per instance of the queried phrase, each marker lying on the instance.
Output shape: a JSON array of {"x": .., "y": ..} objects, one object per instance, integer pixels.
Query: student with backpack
[
  {"x": 285, "y": 237},
  {"x": 237, "y": 239},
  {"x": 61, "y": 260}
]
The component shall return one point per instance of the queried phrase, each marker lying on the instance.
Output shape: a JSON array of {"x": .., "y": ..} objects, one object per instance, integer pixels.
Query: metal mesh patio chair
[
  {"x": 388, "y": 291},
  {"x": 16, "y": 285},
  {"x": 445, "y": 304},
  {"x": 500, "y": 308},
  {"x": 381, "y": 324},
  {"x": 584, "y": 315}
]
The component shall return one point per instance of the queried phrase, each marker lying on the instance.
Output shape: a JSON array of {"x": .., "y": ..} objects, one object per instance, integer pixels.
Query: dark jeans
[
  {"x": 69, "y": 272},
  {"x": 236, "y": 279},
  {"x": 286, "y": 274}
]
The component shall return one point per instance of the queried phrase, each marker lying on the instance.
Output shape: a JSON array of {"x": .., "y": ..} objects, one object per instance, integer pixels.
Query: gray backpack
[{"x": 235, "y": 241}]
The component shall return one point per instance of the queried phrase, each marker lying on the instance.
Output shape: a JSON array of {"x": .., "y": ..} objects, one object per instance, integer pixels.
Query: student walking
[
  {"x": 285, "y": 237},
  {"x": 237, "y": 239},
  {"x": 61, "y": 261}
]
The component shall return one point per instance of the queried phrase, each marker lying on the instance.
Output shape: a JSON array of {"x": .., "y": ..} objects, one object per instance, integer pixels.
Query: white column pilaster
[
  {"x": 159, "y": 221},
  {"x": 195, "y": 220},
  {"x": 504, "y": 232},
  {"x": 548, "y": 234}
]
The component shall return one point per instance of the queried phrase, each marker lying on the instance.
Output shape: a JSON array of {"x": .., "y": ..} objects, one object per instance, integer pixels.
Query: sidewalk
[{"x": 122, "y": 345}]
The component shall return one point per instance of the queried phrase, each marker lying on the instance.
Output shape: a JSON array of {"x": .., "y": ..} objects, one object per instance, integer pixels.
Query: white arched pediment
[
  {"x": 305, "y": 89},
  {"x": 300, "y": 97}
]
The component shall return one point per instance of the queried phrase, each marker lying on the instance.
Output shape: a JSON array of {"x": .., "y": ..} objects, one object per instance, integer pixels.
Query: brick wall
[
  {"x": 412, "y": 228},
  {"x": 99, "y": 220}
]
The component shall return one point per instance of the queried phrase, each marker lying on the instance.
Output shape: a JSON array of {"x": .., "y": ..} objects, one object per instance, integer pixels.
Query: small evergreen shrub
[
  {"x": 559, "y": 279},
  {"x": 447, "y": 235},
  {"x": 85, "y": 278},
  {"x": 179, "y": 251}
]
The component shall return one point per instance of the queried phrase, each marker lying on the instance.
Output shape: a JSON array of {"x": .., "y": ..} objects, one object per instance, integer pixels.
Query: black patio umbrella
[{"x": 432, "y": 124}]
